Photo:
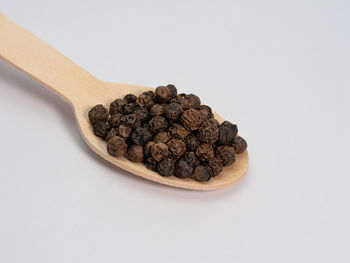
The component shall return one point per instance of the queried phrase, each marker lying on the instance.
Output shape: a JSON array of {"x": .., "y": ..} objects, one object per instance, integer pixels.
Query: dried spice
[
  {"x": 226, "y": 154},
  {"x": 162, "y": 137},
  {"x": 171, "y": 133},
  {"x": 158, "y": 124},
  {"x": 208, "y": 131},
  {"x": 192, "y": 142},
  {"x": 191, "y": 119},
  {"x": 157, "y": 110},
  {"x": 239, "y": 144},
  {"x": 141, "y": 136},
  {"x": 151, "y": 164},
  {"x": 116, "y": 146},
  {"x": 215, "y": 166},
  {"x": 135, "y": 153},
  {"x": 148, "y": 148},
  {"x": 177, "y": 131},
  {"x": 183, "y": 169},
  {"x": 201, "y": 174},
  {"x": 117, "y": 106},
  {"x": 162, "y": 94},
  {"x": 176, "y": 148},
  {"x": 159, "y": 151},
  {"x": 166, "y": 167},
  {"x": 205, "y": 152},
  {"x": 100, "y": 129},
  {"x": 173, "y": 111},
  {"x": 98, "y": 114},
  {"x": 130, "y": 98}
]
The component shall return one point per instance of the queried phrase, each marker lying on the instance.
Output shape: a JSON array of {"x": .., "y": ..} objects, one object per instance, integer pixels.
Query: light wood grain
[{"x": 82, "y": 91}]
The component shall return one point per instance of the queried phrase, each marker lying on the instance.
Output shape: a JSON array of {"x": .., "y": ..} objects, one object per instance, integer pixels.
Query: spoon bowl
[{"x": 83, "y": 91}]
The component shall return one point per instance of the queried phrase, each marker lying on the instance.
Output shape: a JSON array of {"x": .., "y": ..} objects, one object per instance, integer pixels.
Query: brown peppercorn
[
  {"x": 158, "y": 124},
  {"x": 166, "y": 167},
  {"x": 239, "y": 144},
  {"x": 114, "y": 119},
  {"x": 173, "y": 111},
  {"x": 159, "y": 151},
  {"x": 230, "y": 125},
  {"x": 141, "y": 136},
  {"x": 148, "y": 148},
  {"x": 162, "y": 137},
  {"x": 215, "y": 166},
  {"x": 226, "y": 154},
  {"x": 227, "y": 133},
  {"x": 201, "y": 174},
  {"x": 208, "y": 132},
  {"x": 112, "y": 132},
  {"x": 100, "y": 129},
  {"x": 151, "y": 164},
  {"x": 183, "y": 169},
  {"x": 116, "y": 146},
  {"x": 182, "y": 100},
  {"x": 157, "y": 110},
  {"x": 205, "y": 152},
  {"x": 176, "y": 148},
  {"x": 145, "y": 100},
  {"x": 177, "y": 131},
  {"x": 135, "y": 153},
  {"x": 192, "y": 143},
  {"x": 117, "y": 106},
  {"x": 130, "y": 98},
  {"x": 131, "y": 120},
  {"x": 124, "y": 131},
  {"x": 130, "y": 108},
  {"x": 206, "y": 112},
  {"x": 162, "y": 94},
  {"x": 173, "y": 90},
  {"x": 194, "y": 101},
  {"x": 97, "y": 114},
  {"x": 143, "y": 113},
  {"x": 191, "y": 158},
  {"x": 191, "y": 119}
]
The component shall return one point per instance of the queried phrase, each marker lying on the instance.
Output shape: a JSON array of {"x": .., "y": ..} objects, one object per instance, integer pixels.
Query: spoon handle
[{"x": 43, "y": 63}]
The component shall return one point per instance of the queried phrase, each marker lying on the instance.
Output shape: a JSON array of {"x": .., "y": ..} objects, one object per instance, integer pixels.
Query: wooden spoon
[{"x": 82, "y": 91}]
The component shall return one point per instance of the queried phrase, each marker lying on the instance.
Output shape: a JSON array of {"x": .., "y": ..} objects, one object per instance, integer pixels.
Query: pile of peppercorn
[{"x": 170, "y": 133}]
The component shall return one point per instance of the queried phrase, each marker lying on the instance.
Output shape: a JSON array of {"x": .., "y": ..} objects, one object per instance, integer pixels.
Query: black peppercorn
[
  {"x": 173, "y": 90},
  {"x": 124, "y": 131},
  {"x": 135, "y": 153},
  {"x": 194, "y": 101},
  {"x": 158, "y": 124},
  {"x": 177, "y": 131},
  {"x": 157, "y": 110},
  {"x": 148, "y": 148},
  {"x": 173, "y": 111},
  {"x": 192, "y": 143},
  {"x": 226, "y": 154},
  {"x": 215, "y": 166},
  {"x": 159, "y": 151},
  {"x": 176, "y": 148},
  {"x": 208, "y": 131},
  {"x": 98, "y": 114},
  {"x": 130, "y": 108},
  {"x": 205, "y": 152},
  {"x": 151, "y": 164},
  {"x": 114, "y": 119},
  {"x": 130, "y": 98},
  {"x": 131, "y": 120},
  {"x": 141, "y": 136},
  {"x": 145, "y": 100},
  {"x": 201, "y": 174},
  {"x": 239, "y": 144},
  {"x": 117, "y": 106},
  {"x": 116, "y": 146},
  {"x": 100, "y": 129},
  {"x": 162, "y": 94},
  {"x": 162, "y": 137},
  {"x": 142, "y": 113},
  {"x": 191, "y": 158},
  {"x": 112, "y": 132},
  {"x": 166, "y": 167},
  {"x": 191, "y": 119},
  {"x": 183, "y": 169}
]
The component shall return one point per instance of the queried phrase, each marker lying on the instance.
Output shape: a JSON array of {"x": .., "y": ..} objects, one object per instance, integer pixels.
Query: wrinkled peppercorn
[
  {"x": 162, "y": 137},
  {"x": 116, "y": 146},
  {"x": 205, "y": 152},
  {"x": 98, "y": 114},
  {"x": 135, "y": 153},
  {"x": 142, "y": 113},
  {"x": 145, "y": 100},
  {"x": 182, "y": 100},
  {"x": 117, "y": 106},
  {"x": 191, "y": 119},
  {"x": 100, "y": 129},
  {"x": 239, "y": 144},
  {"x": 183, "y": 169},
  {"x": 191, "y": 158},
  {"x": 173, "y": 90},
  {"x": 141, "y": 136},
  {"x": 151, "y": 164},
  {"x": 114, "y": 119},
  {"x": 166, "y": 167},
  {"x": 157, "y": 110},
  {"x": 159, "y": 151},
  {"x": 177, "y": 131},
  {"x": 112, "y": 132},
  {"x": 208, "y": 132},
  {"x": 148, "y": 148},
  {"x": 129, "y": 98},
  {"x": 124, "y": 131},
  {"x": 162, "y": 94},
  {"x": 158, "y": 124},
  {"x": 201, "y": 174},
  {"x": 173, "y": 111},
  {"x": 130, "y": 108},
  {"x": 230, "y": 125},
  {"x": 176, "y": 148},
  {"x": 215, "y": 166},
  {"x": 131, "y": 120},
  {"x": 227, "y": 133},
  {"x": 226, "y": 154},
  {"x": 193, "y": 100},
  {"x": 206, "y": 112},
  {"x": 192, "y": 143}
]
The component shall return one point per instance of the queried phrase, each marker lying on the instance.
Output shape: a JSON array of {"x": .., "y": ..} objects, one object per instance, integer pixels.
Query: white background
[{"x": 279, "y": 69}]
